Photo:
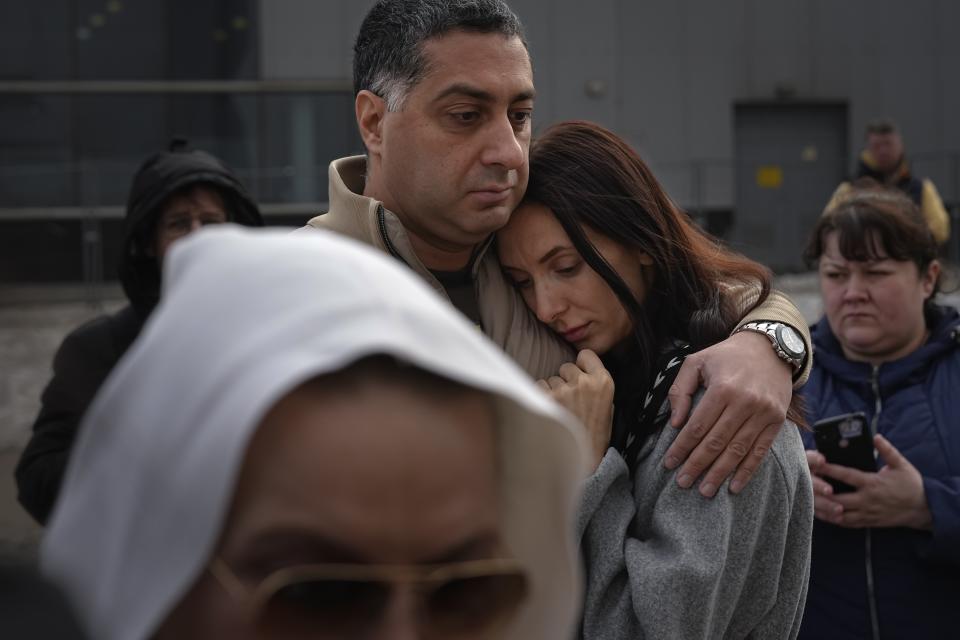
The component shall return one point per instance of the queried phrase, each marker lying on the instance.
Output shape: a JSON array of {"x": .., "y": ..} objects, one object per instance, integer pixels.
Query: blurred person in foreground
[
  {"x": 173, "y": 193},
  {"x": 346, "y": 457},
  {"x": 31, "y": 608},
  {"x": 603, "y": 257},
  {"x": 884, "y": 160},
  {"x": 444, "y": 101},
  {"x": 886, "y": 556}
]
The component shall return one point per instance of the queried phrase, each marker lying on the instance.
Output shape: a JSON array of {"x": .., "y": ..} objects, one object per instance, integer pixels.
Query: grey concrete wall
[
  {"x": 309, "y": 39},
  {"x": 666, "y": 73}
]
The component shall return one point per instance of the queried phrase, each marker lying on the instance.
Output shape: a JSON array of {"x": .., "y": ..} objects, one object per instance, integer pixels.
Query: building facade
[{"x": 748, "y": 111}]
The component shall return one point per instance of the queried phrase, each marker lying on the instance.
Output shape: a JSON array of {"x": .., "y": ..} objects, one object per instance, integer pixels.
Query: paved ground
[
  {"x": 30, "y": 331},
  {"x": 32, "y": 324}
]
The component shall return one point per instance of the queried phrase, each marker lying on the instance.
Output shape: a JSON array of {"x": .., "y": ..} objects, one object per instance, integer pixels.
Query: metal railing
[
  {"x": 91, "y": 189},
  {"x": 281, "y": 130},
  {"x": 93, "y": 273}
]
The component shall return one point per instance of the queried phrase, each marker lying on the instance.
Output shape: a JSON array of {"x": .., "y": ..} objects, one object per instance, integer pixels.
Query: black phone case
[{"x": 846, "y": 440}]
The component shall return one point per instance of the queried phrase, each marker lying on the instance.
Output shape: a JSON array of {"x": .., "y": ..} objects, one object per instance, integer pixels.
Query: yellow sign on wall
[{"x": 770, "y": 176}]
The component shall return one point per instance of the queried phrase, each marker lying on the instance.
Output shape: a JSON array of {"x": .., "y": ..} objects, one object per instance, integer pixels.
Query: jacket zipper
[
  {"x": 388, "y": 243},
  {"x": 868, "y": 537},
  {"x": 382, "y": 224}
]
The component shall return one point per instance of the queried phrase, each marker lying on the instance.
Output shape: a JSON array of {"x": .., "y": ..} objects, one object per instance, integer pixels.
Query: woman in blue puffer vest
[{"x": 886, "y": 556}]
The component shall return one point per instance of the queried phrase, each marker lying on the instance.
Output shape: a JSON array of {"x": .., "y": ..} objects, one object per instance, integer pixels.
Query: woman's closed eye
[
  {"x": 518, "y": 282},
  {"x": 569, "y": 270}
]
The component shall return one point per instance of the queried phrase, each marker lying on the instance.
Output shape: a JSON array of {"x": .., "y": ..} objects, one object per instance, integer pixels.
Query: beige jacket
[{"x": 503, "y": 315}]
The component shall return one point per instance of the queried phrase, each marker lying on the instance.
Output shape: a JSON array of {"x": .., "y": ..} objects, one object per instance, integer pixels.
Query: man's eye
[
  {"x": 466, "y": 117},
  {"x": 179, "y": 224},
  {"x": 521, "y": 117}
]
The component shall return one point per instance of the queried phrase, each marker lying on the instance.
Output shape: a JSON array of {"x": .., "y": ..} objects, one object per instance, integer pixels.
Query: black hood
[{"x": 159, "y": 177}]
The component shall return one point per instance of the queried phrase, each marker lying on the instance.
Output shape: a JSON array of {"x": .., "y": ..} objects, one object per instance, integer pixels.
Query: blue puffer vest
[{"x": 908, "y": 581}]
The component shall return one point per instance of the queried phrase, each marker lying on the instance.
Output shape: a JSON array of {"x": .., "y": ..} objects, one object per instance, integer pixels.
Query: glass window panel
[{"x": 82, "y": 150}]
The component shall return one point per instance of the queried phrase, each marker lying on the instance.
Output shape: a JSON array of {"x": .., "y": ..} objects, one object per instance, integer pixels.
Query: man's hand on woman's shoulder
[{"x": 748, "y": 392}]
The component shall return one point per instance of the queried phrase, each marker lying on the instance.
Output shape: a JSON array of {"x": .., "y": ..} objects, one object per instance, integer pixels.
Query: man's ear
[{"x": 370, "y": 110}]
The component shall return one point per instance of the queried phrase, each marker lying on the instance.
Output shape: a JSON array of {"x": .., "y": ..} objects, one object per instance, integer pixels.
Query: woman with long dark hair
[{"x": 602, "y": 256}]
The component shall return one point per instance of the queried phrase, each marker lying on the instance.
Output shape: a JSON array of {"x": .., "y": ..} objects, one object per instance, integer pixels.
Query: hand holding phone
[{"x": 846, "y": 440}]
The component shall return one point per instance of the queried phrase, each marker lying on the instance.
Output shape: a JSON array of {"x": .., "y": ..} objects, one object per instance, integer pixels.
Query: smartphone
[{"x": 846, "y": 440}]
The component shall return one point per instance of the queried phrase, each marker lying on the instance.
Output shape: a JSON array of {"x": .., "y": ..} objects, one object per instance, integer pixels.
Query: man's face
[
  {"x": 378, "y": 475},
  {"x": 453, "y": 162},
  {"x": 886, "y": 149}
]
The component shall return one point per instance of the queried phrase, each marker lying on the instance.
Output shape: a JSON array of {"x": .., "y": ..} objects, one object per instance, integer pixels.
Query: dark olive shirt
[{"x": 459, "y": 285}]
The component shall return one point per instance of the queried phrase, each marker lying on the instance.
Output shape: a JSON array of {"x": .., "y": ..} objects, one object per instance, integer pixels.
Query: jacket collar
[
  {"x": 868, "y": 167},
  {"x": 944, "y": 324},
  {"x": 366, "y": 219},
  {"x": 351, "y": 213}
]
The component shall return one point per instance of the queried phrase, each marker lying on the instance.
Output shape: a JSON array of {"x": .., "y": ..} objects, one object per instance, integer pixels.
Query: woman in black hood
[{"x": 173, "y": 193}]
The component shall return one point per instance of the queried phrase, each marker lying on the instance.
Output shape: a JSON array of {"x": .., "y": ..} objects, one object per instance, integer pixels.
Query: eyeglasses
[{"x": 464, "y": 599}]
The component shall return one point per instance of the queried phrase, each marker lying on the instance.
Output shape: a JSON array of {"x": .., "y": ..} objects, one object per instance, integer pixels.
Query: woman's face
[
  {"x": 560, "y": 288},
  {"x": 874, "y": 308}
]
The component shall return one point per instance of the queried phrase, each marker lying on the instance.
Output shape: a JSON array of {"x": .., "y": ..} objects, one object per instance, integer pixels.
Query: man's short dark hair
[
  {"x": 881, "y": 126},
  {"x": 388, "y": 54}
]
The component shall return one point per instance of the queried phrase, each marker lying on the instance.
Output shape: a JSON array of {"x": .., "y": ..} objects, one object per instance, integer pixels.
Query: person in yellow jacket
[{"x": 884, "y": 160}]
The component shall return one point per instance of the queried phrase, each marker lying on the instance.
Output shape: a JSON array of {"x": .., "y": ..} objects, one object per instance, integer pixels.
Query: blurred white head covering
[{"x": 246, "y": 316}]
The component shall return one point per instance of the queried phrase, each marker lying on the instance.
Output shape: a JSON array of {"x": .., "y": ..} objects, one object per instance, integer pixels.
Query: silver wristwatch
[{"x": 787, "y": 343}]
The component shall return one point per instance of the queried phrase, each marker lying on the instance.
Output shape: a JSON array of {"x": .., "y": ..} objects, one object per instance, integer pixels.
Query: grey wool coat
[{"x": 664, "y": 562}]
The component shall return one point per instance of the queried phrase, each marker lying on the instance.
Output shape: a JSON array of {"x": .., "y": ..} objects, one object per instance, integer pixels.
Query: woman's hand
[
  {"x": 585, "y": 389},
  {"x": 891, "y": 497},
  {"x": 748, "y": 392}
]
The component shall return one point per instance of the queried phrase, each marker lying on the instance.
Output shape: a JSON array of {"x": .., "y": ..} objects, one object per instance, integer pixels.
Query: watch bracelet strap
[{"x": 767, "y": 328}]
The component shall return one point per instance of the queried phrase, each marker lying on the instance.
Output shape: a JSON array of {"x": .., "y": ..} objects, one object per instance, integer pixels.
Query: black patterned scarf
[{"x": 634, "y": 426}]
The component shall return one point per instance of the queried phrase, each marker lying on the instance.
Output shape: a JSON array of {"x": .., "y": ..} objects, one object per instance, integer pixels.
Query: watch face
[{"x": 791, "y": 340}]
